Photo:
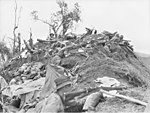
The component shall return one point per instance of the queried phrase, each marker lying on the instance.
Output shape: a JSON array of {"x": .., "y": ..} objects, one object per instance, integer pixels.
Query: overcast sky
[{"x": 130, "y": 18}]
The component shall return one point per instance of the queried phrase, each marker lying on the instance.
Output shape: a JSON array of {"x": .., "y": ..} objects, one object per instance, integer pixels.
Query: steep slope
[{"x": 85, "y": 59}]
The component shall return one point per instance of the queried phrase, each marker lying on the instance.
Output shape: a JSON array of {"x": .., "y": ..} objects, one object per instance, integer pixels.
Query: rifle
[
  {"x": 126, "y": 98},
  {"x": 70, "y": 95}
]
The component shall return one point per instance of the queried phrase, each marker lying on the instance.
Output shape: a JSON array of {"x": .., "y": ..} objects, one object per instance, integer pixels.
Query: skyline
[{"x": 130, "y": 18}]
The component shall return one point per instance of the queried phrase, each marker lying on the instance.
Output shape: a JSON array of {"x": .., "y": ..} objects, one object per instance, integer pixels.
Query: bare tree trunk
[
  {"x": 14, "y": 41},
  {"x": 16, "y": 23},
  {"x": 15, "y": 27}
]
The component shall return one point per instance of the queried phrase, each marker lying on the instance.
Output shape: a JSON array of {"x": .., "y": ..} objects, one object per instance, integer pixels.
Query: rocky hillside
[{"x": 84, "y": 58}]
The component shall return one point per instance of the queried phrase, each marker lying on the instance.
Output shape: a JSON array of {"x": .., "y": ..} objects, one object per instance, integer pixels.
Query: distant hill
[
  {"x": 145, "y": 58},
  {"x": 142, "y": 54}
]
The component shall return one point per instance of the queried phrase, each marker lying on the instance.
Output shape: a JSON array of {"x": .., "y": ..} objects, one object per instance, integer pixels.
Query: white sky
[{"x": 130, "y": 18}]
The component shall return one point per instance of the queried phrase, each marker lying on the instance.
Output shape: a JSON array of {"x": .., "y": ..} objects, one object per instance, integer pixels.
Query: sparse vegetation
[
  {"x": 62, "y": 20},
  {"x": 82, "y": 59}
]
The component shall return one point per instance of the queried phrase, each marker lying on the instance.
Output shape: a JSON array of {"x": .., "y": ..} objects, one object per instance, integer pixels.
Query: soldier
[
  {"x": 31, "y": 42},
  {"x": 89, "y": 31},
  {"x": 19, "y": 42},
  {"x": 51, "y": 36},
  {"x": 3, "y": 84},
  {"x": 95, "y": 32},
  {"x": 55, "y": 101}
]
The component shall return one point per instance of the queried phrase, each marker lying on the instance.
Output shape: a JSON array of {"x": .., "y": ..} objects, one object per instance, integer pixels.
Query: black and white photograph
[{"x": 72, "y": 56}]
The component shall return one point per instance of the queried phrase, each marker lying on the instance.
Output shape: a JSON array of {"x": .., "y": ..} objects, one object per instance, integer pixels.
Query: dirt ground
[{"x": 131, "y": 74}]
